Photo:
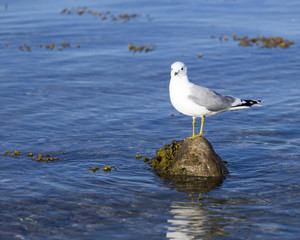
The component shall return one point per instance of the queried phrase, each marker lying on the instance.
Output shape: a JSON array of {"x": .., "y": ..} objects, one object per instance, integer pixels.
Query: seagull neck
[
  {"x": 184, "y": 79},
  {"x": 179, "y": 80}
]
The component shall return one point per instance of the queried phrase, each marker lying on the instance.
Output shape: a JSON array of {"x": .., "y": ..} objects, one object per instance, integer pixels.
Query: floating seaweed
[
  {"x": 15, "y": 153},
  {"x": 94, "y": 169},
  {"x": 265, "y": 42},
  {"x": 7, "y": 152},
  {"x": 44, "y": 158},
  {"x": 105, "y": 168},
  {"x": 52, "y": 46},
  {"x": 80, "y": 12},
  {"x": 125, "y": 17},
  {"x": 141, "y": 48},
  {"x": 39, "y": 157},
  {"x": 64, "y": 10},
  {"x": 65, "y": 45},
  {"x": 261, "y": 42},
  {"x": 28, "y": 48},
  {"x": 139, "y": 156}
]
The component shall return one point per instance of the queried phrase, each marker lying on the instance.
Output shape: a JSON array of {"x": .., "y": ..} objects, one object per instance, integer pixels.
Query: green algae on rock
[
  {"x": 164, "y": 158},
  {"x": 189, "y": 157}
]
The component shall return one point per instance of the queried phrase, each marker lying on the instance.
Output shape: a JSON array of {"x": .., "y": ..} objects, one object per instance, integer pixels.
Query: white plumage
[{"x": 196, "y": 101}]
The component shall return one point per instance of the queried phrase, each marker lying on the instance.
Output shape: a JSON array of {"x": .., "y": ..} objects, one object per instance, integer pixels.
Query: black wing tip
[{"x": 250, "y": 103}]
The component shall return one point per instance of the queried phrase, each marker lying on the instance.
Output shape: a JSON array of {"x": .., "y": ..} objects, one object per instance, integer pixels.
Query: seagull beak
[{"x": 175, "y": 73}]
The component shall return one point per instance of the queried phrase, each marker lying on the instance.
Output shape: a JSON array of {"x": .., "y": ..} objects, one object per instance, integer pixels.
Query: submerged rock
[{"x": 189, "y": 157}]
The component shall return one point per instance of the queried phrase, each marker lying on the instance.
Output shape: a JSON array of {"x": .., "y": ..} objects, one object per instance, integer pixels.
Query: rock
[{"x": 189, "y": 157}]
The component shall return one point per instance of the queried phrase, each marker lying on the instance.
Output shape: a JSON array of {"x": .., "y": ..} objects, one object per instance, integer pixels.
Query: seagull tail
[{"x": 246, "y": 104}]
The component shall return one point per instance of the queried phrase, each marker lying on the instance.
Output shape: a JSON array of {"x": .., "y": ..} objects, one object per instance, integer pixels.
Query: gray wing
[{"x": 213, "y": 101}]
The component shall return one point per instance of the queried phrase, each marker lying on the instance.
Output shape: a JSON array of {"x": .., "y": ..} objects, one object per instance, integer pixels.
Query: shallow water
[{"x": 101, "y": 104}]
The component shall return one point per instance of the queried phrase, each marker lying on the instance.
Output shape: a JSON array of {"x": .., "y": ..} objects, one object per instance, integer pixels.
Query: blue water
[{"x": 100, "y": 104}]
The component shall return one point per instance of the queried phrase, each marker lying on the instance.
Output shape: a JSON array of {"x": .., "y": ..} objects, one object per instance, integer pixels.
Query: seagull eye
[
  {"x": 182, "y": 68},
  {"x": 172, "y": 69}
]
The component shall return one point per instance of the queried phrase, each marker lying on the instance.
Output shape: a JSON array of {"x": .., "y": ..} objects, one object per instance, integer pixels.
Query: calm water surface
[{"x": 101, "y": 104}]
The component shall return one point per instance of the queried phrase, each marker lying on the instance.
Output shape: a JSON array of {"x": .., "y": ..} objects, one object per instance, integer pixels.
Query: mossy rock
[
  {"x": 189, "y": 157},
  {"x": 164, "y": 158}
]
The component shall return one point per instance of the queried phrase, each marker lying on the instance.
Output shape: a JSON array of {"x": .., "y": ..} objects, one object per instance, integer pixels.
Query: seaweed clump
[
  {"x": 50, "y": 47},
  {"x": 164, "y": 158},
  {"x": 39, "y": 157},
  {"x": 105, "y": 168},
  {"x": 141, "y": 48},
  {"x": 263, "y": 42},
  {"x": 43, "y": 157},
  {"x": 125, "y": 17},
  {"x": 16, "y": 153}
]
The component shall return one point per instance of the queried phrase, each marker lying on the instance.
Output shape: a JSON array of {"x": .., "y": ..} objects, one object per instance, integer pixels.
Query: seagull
[{"x": 196, "y": 101}]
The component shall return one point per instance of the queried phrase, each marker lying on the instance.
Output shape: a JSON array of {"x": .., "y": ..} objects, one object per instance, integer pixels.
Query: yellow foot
[{"x": 192, "y": 137}]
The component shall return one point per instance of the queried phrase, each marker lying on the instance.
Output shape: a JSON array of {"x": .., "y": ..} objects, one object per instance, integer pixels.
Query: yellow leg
[
  {"x": 201, "y": 129},
  {"x": 194, "y": 121}
]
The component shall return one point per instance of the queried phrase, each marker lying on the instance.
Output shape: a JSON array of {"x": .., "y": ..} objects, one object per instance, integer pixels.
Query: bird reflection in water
[{"x": 192, "y": 220}]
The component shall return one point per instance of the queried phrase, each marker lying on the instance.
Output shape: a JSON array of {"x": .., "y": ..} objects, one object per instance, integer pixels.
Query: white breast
[{"x": 179, "y": 92}]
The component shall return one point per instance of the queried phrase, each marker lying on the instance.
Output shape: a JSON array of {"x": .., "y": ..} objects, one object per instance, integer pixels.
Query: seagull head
[{"x": 178, "y": 69}]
